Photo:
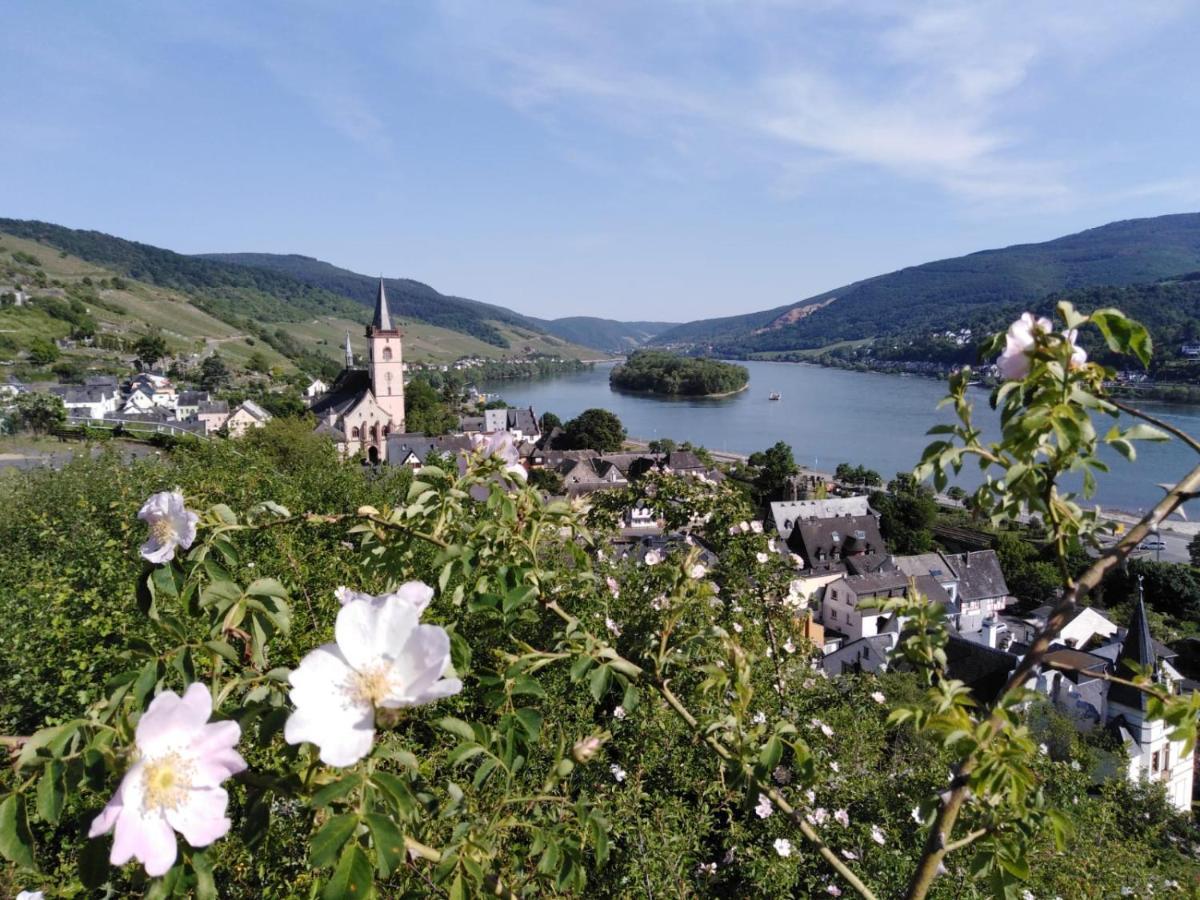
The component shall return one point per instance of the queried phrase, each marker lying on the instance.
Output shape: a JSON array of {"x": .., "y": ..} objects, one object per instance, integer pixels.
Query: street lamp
[{"x": 1157, "y": 543}]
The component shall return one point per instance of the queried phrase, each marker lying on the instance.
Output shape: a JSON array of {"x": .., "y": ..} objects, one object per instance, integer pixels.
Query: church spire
[
  {"x": 1137, "y": 649},
  {"x": 382, "y": 320},
  {"x": 349, "y": 353}
]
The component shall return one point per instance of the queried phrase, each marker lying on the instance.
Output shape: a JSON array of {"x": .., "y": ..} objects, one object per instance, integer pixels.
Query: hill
[
  {"x": 953, "y": 292},
  {"x": 604, "y": 334}
]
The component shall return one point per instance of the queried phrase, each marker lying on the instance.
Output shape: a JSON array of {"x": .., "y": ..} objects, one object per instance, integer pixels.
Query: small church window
[
  {"x": 387, "y": 353},
  {"x": 354, "y": 432}
]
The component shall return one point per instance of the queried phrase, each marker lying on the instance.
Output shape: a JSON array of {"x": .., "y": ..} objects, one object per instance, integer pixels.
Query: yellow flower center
[
  {"x": 167, "y": 781},
  {"x": 162, "y": 531},
  {"x": 371, "y": 685}
]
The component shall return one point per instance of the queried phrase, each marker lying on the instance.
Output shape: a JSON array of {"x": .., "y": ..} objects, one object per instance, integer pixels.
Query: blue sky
[{"x": 637, "y": 160}]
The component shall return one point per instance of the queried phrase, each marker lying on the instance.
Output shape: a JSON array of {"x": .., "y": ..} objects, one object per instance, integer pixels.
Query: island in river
[{"x": 672, "y": 375}]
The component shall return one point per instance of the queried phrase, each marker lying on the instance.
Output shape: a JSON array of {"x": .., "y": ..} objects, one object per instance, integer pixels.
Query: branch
[
  {"x": 778, "y": 799},
  {"x": 1157, "y": 423},
  {"x": 943, "y": 826},
  {"x": 334, "y": 519}
]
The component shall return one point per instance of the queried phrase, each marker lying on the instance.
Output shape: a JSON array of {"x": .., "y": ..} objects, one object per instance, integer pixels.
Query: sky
[{"x": 644, "y": 160}]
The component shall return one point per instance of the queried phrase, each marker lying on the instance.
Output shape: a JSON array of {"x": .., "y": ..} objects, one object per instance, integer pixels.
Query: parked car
[{"x": 1153, "y": 544}]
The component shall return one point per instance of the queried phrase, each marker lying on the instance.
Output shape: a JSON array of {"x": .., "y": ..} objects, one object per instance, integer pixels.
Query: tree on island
[
  {"x": 149, "y": 349},
  {"x": 660, "y": 372},
  {"x": 592, "y": 429}
]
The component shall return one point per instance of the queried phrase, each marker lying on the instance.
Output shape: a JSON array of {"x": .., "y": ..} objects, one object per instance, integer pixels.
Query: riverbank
[{"x": 658, "y": 395}]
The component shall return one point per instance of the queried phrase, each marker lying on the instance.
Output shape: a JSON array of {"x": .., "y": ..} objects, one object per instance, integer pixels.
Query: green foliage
[
  {"x": 149, "y": 349},
  {"x": 857, "y": 475},
  {"x": 775, "y": 465},
  {"x": 424, "y": 410},
  {"x": 593, "y": 429},
  {"x": 42, "y": 352},
  {"x": 38, "y": 412},
  {"x": 660, "y": 372},
  {"x": 549, "y": 422},
  {"x": 214, "y": 373},
  {"x": 547, "y": 480}
]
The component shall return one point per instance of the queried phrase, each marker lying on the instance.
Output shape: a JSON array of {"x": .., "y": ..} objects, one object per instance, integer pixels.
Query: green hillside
[
  {"x": 951, "y": 292},
  {"x": 605, "y": 334}
]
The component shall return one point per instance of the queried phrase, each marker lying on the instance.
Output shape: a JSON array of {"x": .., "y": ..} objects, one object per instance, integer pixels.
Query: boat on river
[{"x": 775, "y": 395}]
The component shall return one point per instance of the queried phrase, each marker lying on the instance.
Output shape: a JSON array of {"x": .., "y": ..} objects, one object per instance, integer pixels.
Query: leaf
[
  {"x": 16, "y": 843},
  {"x": 518, "y": 597},
  {"x": 53, "y": 740},
  {"x": 51, "y": 792},
  {"x": 457, "y": 727},
  {"x": 599, "y": 681},
  {"x": 1144, "y": 432},
  {"x": 223, "y": 649},
  {"x": 397, "y": 790},
  {"x": 220, "y": 592},
  {"x": 389, "y": 843},
  {"x": 93, "y": 863},
  {"x": 267, "y": 587},
  {"x": 334, "y": 791},
  {"x": 206, "y": 885},
  {"x": 329, "y": 839},
  {"x": 530, "y": 720},
  {"x": 352, "y": 878},
  {"x": 526, "y": 684}
]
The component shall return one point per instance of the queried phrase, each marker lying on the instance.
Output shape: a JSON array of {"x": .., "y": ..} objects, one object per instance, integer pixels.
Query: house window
[
  {"x": 354, "y": 432},
  {"x": 387, "y": 354},
  {"x": 1167, "y": 756},
  {"x": 835, "y": 594},
  {"x": 833, "y": 614},
  {"x": 1154, "y": 762}
]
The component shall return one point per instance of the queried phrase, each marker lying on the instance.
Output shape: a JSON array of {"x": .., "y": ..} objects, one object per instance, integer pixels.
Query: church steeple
[
  {"x": 382, "y": 321},
  {"x": 1138, "y": 649},
  {"x": 349, "y": 353}
]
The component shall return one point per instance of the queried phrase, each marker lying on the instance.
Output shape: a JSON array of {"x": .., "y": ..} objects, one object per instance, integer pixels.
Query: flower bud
[
  {"x": 367, "y": 511},
  {"x": 586, "y": 748}
]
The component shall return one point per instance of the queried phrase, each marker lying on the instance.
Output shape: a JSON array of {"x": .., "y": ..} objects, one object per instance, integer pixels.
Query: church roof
[
  {"x": 382, "y": 320},
  {"x": 347, "y": 390},
  {"x": 1138, "y": 649}
]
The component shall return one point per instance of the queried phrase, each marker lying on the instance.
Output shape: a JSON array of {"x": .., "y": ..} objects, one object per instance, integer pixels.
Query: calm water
[{"x": 830, "y": 416}]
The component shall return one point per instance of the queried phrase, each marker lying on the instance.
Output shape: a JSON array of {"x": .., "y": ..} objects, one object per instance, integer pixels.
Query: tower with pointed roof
[
  {"x": 385, "y": 361},
  {"x": 349, "y": 353}
]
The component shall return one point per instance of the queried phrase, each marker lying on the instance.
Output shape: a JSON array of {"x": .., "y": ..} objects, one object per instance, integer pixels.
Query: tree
[
  {"x": 546, "y": 480},
  {"x": 550, "y": 421},
  {"x": 39, "y": 412},
  {"x": 907, "y": 513},
  {"x": 150, "y": 349},
  {"x": 214, "y": 374},
  {"x": 662, "y": 445},
  {"x": 956, "y": 493},
  {"x": 1194, "y": 549},
  {"x": 42, "y": 352},
  {"x": 593, "y": 429},
  {"x": 775, "y": 466},
  {"x": 258, "y": 363},
  {"x": 424, "y": 410}
]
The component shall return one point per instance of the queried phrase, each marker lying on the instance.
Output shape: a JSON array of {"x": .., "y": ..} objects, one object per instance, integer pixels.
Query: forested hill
[
  {"x": 227, "y": 291},
  {"x": 935, "y": 295},
  {"x": 605, "y": 334},
  {"x": 407, "y": 298}
]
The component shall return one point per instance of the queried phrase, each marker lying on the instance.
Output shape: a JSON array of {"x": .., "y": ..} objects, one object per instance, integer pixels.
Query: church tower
[{"x": 385, "y": 361}]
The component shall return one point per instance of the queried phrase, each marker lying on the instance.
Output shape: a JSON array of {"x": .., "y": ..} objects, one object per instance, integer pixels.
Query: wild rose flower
[
  {"x": 759, "y": 718},
  {"x": 708, "y": 869},
  {"x": 764, "y": 808},
  {"x": 613, "y": 628},
  {"x": 797, "y": 560},
  {"x": 175, "y": 785},
  {"x": 835, "y": 765},
  {"x": 1015, "y": 361},
  {"x": 500, "y": 445},
  {"x": 743, "y": 526},
  {"x": 818, "y": 816},
  {"x": 659, "y": 603},
  {"x": 613, "y": 587},
  {"x": 383, "y": 658},
  {"x": 850, "y": 855},
  {"x": 783, "y": 847},
  {"x": 842, "y": 818},
  {"x": 619, "y": 713},
  {"x": 171, "y": 523},
  {"x": 878, "y": 697},
  {"x": 652, "y": 558},
  {"x": 415, "y": 593},
  {"x": 698, "y": 571},
  {"x": 31, "y": 895},
  {"x": 833, "y": 890},
  {"x": 1078, "y": 354},
  {"x": 824, "y": 729},
  {"x": 737, "y": 626},
  {"x": 761, "y": 557},
  {"x": 771, "y": 545},
  {"x": 756, "y": 526},
  {"x": 586, "y": 748},
  {"x": 789, "y": 646},
  {"x": 916, "y": 814},
  {"x": 617, "y": 772},
  {"x": 877, "y": 835}
]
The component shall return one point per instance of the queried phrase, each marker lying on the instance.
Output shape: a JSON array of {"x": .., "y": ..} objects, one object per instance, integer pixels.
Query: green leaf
[
  {"x": 457, "y": 727},
  {"x": 352, "y": 878},
  {"x": 51, "y": 792},
  {"x": 53, "y": 740},
  {"x": 397, "y": 790},
  {"x": 206, "y": 885},
  {"x": 599, "y": 681},
  {"x": 329, "y": 839},
  {"x": 334, "y": 791},
  {"x": 223, "y": 649},
  {"x": 526, "y": 684},
  {"x": 220, "y": 592},
  {"x": 267, "y": 587},
  {"x": 389, "y": 843},
  {"x": 93, "y": 864},
  {"x": 518, "y": 597},
  {"x": 530, "y": 720},
  {"x": 16, "y": 843}
]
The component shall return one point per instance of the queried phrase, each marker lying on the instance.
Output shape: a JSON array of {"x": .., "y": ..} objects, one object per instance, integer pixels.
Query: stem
[
  {"x": 1157, "y": 423},
  {"x": 943, "y": 826}
]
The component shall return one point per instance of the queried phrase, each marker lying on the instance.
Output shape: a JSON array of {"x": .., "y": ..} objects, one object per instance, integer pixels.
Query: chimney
[{"x": 991, "y": 631}]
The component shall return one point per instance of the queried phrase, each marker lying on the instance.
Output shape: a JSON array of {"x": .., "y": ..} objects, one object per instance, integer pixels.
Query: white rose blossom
[
  {"x": 500, "y": 445},
  {"x": 31, "y": 895},
  {"x": 757, "y": 526},
  {"x": 783, "y": 847},
  {"x": 878, "y": 836},
  {"x": 171, "y": 523},
  {"x": 652, "y": 558},
  {"x": 613, "y": 587},
  {"x": 383, "y": 658},
  {"x": 415, "y": 593},
  {"x": 761, "y": 557},
  {"x": 698, "y": 571},
  {"x": 1014, "y": 362},
  {"x": 175, "y": 785},
  {"x": 619, "y": 713},
  {"x": 617, "y": 772},
  {"x": 764, "y": 808},
  {"x": 878, "y": 697}
]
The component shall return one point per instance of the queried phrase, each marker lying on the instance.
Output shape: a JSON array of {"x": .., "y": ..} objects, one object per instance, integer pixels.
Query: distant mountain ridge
[
  {"x": 605, "y": 334},
  {"x": 951, "y": 292}
]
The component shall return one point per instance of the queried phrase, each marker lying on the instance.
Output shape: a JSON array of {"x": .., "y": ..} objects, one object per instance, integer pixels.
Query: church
[{"x": 364, "y": 406}]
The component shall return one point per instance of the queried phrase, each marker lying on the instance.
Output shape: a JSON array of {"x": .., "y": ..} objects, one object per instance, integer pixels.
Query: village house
[
  {"x": 364, "y": 406},
  {"x": 187, "y": 403},
  {"x": 784, "y": 514},
  {"x": 247, "y": 415},
  {"x": 317, "y": 387},
  {"x": 212, "y": 414},
  {"x": 88, "y": 402},
  {"x": 415, "y": 450}
]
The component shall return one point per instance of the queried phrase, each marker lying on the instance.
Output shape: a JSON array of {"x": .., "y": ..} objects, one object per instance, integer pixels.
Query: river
[{"x": 830, "y": 416}]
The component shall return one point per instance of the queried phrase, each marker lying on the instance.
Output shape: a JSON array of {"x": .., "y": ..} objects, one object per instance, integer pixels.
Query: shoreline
[{"x": 660, "y": 395}]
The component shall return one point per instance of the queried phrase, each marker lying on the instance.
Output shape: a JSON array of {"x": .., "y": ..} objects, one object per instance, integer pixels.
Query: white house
[
  {"x": 248, "y": 415},
  {"x": 90, "y": 402},
  {"x": 315, "y": 389}
]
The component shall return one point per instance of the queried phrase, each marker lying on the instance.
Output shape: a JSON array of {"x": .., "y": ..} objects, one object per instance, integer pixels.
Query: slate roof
[
  {"x": 86, "y": 394},
  {"x": 382, "y": 320},
  {"x": 191, "y": 398},
  {"x": 1137, "y": 649},
  {"x": 523, "y": 420},
  {"x": 983, "y": 669},
  {"x": 108, "y": 381},
  {"x": 979, "y": 575},
  {"x": 255, "y": 410},
  {"x": 471, "y": 423},
  {"x": 1078, "y": 662},
  {"x": 346, "y": 391},
  {"x": 786, "y": 513},
  {"x": 682, "y": 460},
  {"x": 926, "y": 564},
  {"x": 213, "y": 407},
  {"x": 821, "y": 542},
  {"x": 400, "y": 445}
]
